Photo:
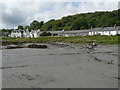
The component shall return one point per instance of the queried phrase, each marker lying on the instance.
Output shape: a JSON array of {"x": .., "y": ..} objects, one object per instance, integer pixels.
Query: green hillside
[{"x": 78, "y": 21}]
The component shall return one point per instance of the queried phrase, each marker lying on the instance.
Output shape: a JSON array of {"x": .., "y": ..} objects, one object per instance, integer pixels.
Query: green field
[{"x": 104, "y": 40}]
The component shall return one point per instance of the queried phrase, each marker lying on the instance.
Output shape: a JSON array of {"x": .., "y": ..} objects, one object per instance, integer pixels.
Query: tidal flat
[{"x": 60, "y": 66}]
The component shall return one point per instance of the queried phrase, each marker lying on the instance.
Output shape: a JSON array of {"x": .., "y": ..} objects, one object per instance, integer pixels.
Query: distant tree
[
  {"x": 57, "y": 25},
  {"x": 20, "y": 27},
  {"x": 41, "y": 23},
  {"x": 48, "y": 26},
  {"x": 27, "y": 27},
  {"x": 118, "y": 17},
  {"x": 36, "y": 25},
  {"x": 67, "y": 26},
  {"x": 7, "y": 30},
  {"x": 79, "y": 21}
]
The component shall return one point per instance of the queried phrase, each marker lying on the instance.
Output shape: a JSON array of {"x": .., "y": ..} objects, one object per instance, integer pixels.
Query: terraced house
[
  {"x": 25, "y": 33},
  {"x": 93, "y": 31}
]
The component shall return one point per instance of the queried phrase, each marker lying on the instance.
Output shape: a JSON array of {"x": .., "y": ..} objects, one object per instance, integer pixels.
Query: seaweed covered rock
[
  {"x": 13, "y": 47},
  {"x": 37, "y": 46}
]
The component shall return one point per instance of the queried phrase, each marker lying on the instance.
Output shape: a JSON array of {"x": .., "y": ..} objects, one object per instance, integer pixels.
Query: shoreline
[{"x": 73, "y": 66}]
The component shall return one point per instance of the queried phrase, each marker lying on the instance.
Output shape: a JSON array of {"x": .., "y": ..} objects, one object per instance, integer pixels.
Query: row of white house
[
  {"x": 25, "y": 33},
  {"x": 105, "y": 31},
  {"x": 92, "y": 31}
]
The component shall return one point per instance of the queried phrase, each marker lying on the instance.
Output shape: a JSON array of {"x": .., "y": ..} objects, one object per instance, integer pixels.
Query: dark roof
[{"x": 86, "y": 30}]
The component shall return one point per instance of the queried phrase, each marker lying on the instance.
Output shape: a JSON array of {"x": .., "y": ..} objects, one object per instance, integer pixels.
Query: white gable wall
[
  {"x": 15, "y": 34},
  {"x": 26, "y": 33},
  {"x": 103, "y": 33}
]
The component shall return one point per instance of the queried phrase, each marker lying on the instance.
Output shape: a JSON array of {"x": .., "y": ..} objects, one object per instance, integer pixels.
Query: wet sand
[{"x": 71, "y": 66}]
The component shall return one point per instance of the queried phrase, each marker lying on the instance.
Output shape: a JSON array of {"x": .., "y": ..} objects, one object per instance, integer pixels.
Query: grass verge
[{"x": 104, "y": 40}]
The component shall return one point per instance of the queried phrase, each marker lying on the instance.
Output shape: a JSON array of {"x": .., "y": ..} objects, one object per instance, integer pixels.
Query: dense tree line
[
  {"x": 78, "y": 21},
  {"x": 81, "y": 21}
]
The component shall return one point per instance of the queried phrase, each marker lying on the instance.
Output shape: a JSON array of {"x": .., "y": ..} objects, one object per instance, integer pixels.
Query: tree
[
  {"x": 45, "y": 34},
  {"x": 67, "y": 26},
  {"x": 41, "y": 23},
  {"x": 36, "y": 25},
  {"x": 81, "y": 23},
  {"x": 27, "y": 27},
  {"x": 20, "y": 27},
  {"x": 48, "y": 26}
]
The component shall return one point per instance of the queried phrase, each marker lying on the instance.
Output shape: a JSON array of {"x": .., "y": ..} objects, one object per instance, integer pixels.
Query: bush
[{"x": 45, "y": 34}]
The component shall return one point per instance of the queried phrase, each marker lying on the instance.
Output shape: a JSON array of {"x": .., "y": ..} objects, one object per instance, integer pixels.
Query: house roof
[
  {"x": 83, "y": 31},
  {"x": 70, "y": 32},
  {"x": 86, "y": 30}
]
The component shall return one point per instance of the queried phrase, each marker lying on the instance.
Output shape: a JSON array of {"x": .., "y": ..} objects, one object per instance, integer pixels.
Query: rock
[
  {"x": 13, "y": 47},
  {"x": 97, "y": 59},
  {"x": 15, "y": 43},
  {"x": 94, "y": 44},
  {"x": 37, "y": 46},
  {"x": 4, "y": 43},
  {"x": 110, "y": 62}
]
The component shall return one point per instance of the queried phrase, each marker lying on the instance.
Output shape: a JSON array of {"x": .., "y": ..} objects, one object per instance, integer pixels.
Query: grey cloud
[
  {"x": 14, "y": 18},
  {"x": 23, "y": 13},
  {"x": 119, "y": 5}
]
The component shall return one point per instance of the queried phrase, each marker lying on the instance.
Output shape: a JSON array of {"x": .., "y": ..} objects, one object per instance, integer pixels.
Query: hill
[{"x": 78, "y": 21}]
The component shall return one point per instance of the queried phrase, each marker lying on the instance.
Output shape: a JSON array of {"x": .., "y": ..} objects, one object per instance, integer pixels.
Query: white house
[
  {"x": 105, "y": 31},
  {"x": 25, "y": 33}
]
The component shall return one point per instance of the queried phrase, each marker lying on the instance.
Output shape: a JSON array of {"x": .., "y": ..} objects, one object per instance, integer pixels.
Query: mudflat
[{"x": 72, "y": 66}]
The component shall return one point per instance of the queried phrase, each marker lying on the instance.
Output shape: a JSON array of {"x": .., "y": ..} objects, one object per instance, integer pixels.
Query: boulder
[
  {"x": 37, "y": 46},
  {"x": 13, "y": 47}
]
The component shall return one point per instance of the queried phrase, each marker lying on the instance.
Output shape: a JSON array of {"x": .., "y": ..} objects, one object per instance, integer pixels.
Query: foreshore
[{"x": 61, "y": 66}]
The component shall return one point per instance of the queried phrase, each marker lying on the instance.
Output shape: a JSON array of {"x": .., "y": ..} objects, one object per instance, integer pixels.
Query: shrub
[{"x": 45, "y": 34}]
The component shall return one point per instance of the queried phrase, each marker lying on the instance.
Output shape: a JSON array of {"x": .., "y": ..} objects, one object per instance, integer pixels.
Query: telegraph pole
[
  {"x": 52, "y": 31},
  {"x": 91, "y": 30},
  {"x": 116, "y": 29},
  {"x": 102, "y": 29}
]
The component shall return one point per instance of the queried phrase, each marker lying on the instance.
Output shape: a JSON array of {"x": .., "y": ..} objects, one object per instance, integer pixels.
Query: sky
[{"x": 23, "y": 12}]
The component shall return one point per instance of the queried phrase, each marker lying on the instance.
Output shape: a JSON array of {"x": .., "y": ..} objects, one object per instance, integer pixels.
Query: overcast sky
[{"x": 21, "y": 12}]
